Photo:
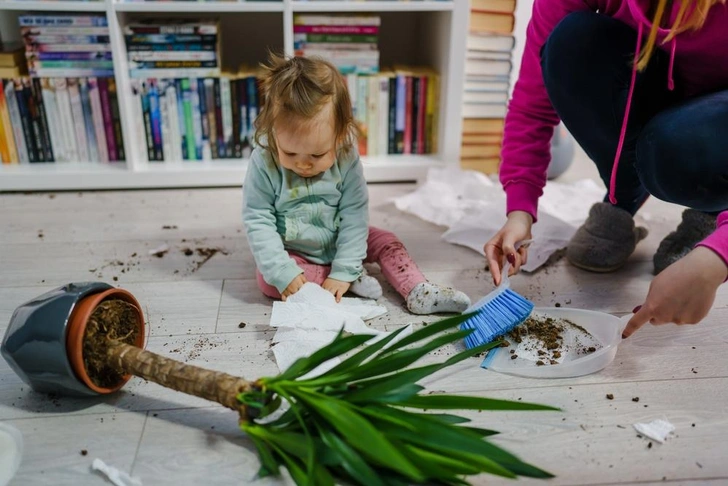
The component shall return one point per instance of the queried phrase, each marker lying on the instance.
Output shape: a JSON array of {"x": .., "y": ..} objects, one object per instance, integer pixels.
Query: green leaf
[
  {"x": 428, "y": 331},
  {"x": 453, "y": 402},
  {"x": 351, "y": 461},
  {"x": 441, "y": 466},
  {"x": 447, "y": 418},
  {"x": 481, "y": 432},
  {"x": 361, "y": 356},
  {"x": 359, "y": 432},
  {"x": 269, "y": 465},
  {"x": 340, "y": 345}
]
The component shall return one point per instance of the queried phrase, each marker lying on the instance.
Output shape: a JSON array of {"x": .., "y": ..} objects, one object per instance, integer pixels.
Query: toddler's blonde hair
[{"x": 297, "y": 88}]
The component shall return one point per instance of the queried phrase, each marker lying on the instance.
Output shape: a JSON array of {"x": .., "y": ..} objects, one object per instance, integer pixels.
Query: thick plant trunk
[{"x": 211, "y": 385}]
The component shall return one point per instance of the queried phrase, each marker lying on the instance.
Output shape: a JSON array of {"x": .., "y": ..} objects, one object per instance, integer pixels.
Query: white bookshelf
[{"x": 415, "y": 32}]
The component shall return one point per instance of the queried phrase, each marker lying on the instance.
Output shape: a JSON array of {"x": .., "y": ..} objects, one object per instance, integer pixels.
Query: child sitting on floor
[{"x": 305, "y": 197}]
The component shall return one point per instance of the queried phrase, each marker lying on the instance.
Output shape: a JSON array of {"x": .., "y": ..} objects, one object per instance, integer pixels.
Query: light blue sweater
[{"x": 323, "y": 218}]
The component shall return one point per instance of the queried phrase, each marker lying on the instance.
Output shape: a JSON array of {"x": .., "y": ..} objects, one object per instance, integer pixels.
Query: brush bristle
[{"x": 496, "y": 318}]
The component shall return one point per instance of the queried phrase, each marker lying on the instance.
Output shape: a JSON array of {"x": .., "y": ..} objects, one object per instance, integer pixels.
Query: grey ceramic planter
[{"x": 35, "y": 342}]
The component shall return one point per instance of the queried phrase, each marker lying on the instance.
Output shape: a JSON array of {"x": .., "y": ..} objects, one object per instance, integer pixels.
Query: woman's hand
[
  {"x": 293, "y": 287},
  {"x": 517, "y": 228},
  {"x": 336, "y": 287},
  {"x": 683, "y": 293}
]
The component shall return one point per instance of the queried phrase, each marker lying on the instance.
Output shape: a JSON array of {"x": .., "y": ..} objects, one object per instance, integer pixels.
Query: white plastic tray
[
  {"x": 605, "y": 328},
  {"x": 11, "y": 452}
]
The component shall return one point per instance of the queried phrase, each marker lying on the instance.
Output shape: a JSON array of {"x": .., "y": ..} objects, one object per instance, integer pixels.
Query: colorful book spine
[
  {"x": 146, "y": 65},
  {"x": 383, "y": 114},
  {"x": 67, "y": 39},
  {"x": 372, "y": 115},
  {"x": 174, "y": 122},
  {"x": 190, "y": 137},
  {"x": 48, "y": 93},
  {"x": 97, "y": 114},
  {"x": 219, "y": 130},
  {"x": 400, "y": 122},
  {"x": 72, "y": 56},
  {"x": 227, "y": 116},
  {"x": 207, "y": 118},
  {"x": 139, "y": 116},
  {"x": 88, "y": 120},
  {"x": 156, "y": 56},
  {"x": 116, "y": 119},
  {"x": 25, "y": 116},
  {"x": 408, "y": 115},
  {"x": 74, "y": 93},
  {"x": 197, "y": 119},
  {"x": 69, "y": 48},
  {"x": 362, "y": 112},
  {"x": 8, "y": 152},
  {"x": 170, "y": 39},
  {"x": 336, "y": 29},
  {"x": 236, "y": 143},
  {"x": 63, "y": 21},
  {"x": 26, "y": 32},
  {"x": 16, "y": 122},
  {"x": 164, "y": 121},
  {"x": 156, "y": 120},
  {"x": 158, "y": 48},
  {"x": 392, "y": 132},
  {"x": 63, "y": 101},
  {"x": 107, "y": 119}
]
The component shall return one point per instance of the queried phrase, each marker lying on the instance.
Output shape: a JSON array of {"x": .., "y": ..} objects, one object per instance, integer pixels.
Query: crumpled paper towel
[
  {"x": 311, "y": 318},
  {"x": 116, "y": 477},
  {"x": 472, "y": 207},
  {"x": 657, "y": 430}
]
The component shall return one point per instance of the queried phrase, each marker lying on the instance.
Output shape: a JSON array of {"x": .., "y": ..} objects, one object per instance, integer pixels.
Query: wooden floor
[{"x": 194, "y": 312}]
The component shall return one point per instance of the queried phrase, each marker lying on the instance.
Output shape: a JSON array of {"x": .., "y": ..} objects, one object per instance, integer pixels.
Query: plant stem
[{"x": 211, "y": 385}]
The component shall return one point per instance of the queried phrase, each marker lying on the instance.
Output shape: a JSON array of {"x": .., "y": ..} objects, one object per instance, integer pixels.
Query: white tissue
[
  {"x": 657, "y": 430},
  {"x": 472, "y": 207},
  {"x": 311, "y": 318},
  {"x": 119, "y": 478}
]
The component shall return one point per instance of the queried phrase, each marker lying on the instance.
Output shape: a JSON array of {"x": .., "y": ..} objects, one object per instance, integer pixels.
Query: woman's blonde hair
[
  {"x": 691, "y": 16},
  {"x": 298, "y": 88}
]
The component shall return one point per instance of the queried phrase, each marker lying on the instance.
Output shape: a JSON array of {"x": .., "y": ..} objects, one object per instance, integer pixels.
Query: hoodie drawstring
[{"x": 623, "y": 132}]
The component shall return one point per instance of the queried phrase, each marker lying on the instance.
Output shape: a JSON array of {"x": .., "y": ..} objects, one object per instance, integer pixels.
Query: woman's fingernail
[
  {"x": 511, "y": 259},
  {"x": 624, "y": 336},
  {"x": 636, "y": 309}
]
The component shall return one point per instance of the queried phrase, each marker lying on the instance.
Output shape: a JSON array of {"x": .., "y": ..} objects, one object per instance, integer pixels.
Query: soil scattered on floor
[
  {"x": 169, "y": 226},
  {"x": 112, "y": 321},
  {"x": 84, "y": 452}
]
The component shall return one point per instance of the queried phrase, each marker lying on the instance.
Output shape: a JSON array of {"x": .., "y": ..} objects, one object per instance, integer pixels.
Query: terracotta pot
[{"x": 77, "y": 327}]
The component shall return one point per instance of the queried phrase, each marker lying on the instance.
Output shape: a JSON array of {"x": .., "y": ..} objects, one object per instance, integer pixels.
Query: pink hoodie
[{"x": 699, "y": 60}]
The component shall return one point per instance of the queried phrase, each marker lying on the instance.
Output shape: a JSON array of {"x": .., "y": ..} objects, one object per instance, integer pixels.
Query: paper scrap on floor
[
  {"x": 657, "y": 430},
  {"x": 472, "y": 207},
  {"x": 311, "y": 318},
  {"x": 115, "y": 476}
]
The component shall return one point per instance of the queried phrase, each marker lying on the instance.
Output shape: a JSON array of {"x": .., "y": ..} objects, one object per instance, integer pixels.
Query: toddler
[{"x": 305, "y": 197}]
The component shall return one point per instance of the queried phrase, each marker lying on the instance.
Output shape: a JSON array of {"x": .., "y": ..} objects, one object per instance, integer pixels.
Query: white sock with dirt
[
  {"x": 429, "y": 298},
  {"x": 366, "y": 286}
]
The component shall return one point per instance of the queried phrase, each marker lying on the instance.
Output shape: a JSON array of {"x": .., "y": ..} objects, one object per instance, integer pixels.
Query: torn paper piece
[
  {"x": 473, "y": 208},
  {"x": 119, "y": 478},
  {"x": 550, "y": 234},
  {"x": 657, "y": 430}
]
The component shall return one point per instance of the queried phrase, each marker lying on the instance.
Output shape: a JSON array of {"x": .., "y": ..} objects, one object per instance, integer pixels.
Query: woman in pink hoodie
[{"x": 642, "y": 85}]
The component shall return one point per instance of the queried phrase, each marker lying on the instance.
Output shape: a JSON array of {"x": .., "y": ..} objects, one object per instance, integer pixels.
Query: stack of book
[
  {"x": 396, "y": 110},
  {"x": 196, "y": 118},
  {"x": 60, "y": 120},
  {"x": 487, "y": 81},
  {"x": 74, "y": 45},
  {"x": 173, "y": 48},
  {"x": 12, "y": 60},
  {"x": 350, "y": 42}
]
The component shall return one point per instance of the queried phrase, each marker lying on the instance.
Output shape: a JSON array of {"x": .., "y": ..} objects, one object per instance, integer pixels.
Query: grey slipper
[
  {"x": 695, "y": 227},
  {"x": 606, "y": 239}
]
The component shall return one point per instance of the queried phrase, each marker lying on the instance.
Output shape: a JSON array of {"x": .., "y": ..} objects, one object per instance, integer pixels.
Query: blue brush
[{"x": 498, "y": 312}]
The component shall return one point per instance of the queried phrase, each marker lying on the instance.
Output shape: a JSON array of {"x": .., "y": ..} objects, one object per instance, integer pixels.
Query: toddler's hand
[
  {"x": 293, "y": 287},
  {"x": 683, "y": 293},
  {"x": 336, "y": 287},
  {"x": 517, "y": 228}
]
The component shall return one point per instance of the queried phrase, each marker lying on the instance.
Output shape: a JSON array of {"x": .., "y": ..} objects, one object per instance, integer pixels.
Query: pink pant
[{"x": 383, "y": 247}]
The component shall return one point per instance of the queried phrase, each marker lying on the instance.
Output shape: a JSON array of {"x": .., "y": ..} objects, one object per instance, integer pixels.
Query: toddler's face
[{"x": 308, "y": 148}]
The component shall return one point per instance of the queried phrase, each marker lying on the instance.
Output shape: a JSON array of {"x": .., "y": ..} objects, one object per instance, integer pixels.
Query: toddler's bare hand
[
  {"x": 336, "y": 287},
  {"x": 293, "y": 287}
]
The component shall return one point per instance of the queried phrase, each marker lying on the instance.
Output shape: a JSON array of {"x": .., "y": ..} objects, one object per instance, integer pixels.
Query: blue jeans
[{"x": 675, "y": 149}]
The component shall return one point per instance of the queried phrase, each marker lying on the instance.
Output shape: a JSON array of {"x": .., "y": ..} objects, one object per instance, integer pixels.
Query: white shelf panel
[
  {"x": 198, "y": 6},
  {"x": 374, "y": 6},
  {"x": 57, "y": 6},
  {"x": 224, "y": 173}
]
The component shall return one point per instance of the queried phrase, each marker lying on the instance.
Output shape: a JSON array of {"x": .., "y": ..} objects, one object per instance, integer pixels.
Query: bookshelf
[{"x": 422, "y": 32}]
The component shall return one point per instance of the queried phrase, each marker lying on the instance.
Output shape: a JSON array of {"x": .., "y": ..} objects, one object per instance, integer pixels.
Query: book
[
  {"x": 172, "y": 26},
  {"x": 485, "y": 42},
  {"x": 498, "y": 23},
  {"x": 485, "y": 97},
  {"x": 479, "y": 151},
  {"x": 11, "y": 54},
  {"x": 62, "y": 20},
  {"x": 487, "y": 165},
  {"x": 16, "y": 122},
  {"x": 97, "y": 117},
  {"x": 483, "y": 126},
  {"x": 475, "y": 67},
  {"x": 349, "y": 20},
  {"x": 63, "y": 102},
  {"x": 74, "y": 94},
  {"x": 484, "y": 110},
  {"x": 502, "y": 6}
]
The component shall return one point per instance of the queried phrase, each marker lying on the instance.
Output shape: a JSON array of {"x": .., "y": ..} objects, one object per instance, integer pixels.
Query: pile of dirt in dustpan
[{"x": 544, "y": 337}]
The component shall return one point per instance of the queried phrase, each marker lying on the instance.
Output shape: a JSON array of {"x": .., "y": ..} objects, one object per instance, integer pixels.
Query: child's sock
[
  {"x": 429, "y": 298},
  {"x": 366, "y": 286}
]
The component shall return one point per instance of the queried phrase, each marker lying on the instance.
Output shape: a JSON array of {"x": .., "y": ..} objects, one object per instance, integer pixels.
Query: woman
[{"x": 643, "y": 87}]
